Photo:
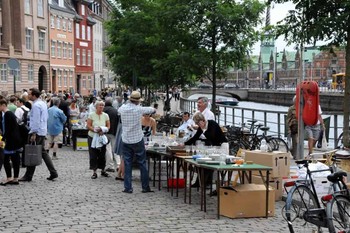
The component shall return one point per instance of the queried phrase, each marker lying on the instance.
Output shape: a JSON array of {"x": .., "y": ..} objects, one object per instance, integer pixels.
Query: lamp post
[{"x": 275, "y": 68}]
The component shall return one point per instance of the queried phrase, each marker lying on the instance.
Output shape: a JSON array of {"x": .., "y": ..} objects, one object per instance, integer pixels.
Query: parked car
[
  {"x": 230, "y": 86},
  {"x": 204, "y": 86}
]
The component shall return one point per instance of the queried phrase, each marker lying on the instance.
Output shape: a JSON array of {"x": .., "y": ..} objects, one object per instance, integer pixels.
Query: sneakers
[
  {"x": 52, "y": 177},
  {"x": 105, "y": 174},
  {"x": 127, "y": 191}
]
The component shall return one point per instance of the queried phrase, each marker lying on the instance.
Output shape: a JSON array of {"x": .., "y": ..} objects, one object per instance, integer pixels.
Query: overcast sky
[{"x": 277, "y": 13}]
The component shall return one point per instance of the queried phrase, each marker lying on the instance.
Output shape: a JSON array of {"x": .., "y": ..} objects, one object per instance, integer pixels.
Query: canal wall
[{"x": 328, "y": 101}]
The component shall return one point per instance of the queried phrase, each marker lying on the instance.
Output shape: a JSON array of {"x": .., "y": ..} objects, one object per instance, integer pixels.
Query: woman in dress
[
  {"x": 13, "y": 144},
  {"x": 149, "y": 126},
  {"x": 98, "y": 124}
]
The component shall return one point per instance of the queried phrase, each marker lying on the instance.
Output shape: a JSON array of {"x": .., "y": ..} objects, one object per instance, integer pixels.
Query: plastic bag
[
  {"x": 324, "y": 141},
  {"x": 314, "y": 167}
]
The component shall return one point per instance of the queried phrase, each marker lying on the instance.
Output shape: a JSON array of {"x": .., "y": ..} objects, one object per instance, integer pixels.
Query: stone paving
[{"x": 76, "y": 203}]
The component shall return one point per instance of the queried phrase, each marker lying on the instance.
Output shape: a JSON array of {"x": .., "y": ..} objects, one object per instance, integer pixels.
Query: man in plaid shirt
[{"x": 132, "y": 140}]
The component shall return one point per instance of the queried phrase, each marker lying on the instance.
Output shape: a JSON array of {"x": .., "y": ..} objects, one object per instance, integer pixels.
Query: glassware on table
[{"x": 188, "y": 149}]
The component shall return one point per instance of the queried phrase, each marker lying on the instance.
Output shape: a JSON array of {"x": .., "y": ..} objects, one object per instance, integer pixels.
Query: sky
[{"x": 277, "y": 13}]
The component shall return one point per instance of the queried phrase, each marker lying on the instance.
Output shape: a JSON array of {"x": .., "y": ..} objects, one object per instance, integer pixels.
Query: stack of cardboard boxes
[{"x": 280, "y": 163}]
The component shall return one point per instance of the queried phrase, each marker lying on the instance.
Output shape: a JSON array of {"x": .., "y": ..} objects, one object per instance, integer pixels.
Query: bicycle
[
  {"x": 339, "y": 142},
  {"x": 274, "y": 143},
  {"x": 338, "y": 205},
  {"x": 302, "y": 204}
]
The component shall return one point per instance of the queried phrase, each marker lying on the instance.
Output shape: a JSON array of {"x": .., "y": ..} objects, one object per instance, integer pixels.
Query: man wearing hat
[{"x": 132, "y": 140}]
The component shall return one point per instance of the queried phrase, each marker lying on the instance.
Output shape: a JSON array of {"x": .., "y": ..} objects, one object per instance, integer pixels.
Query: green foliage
[{"x": 176, "y": 42}]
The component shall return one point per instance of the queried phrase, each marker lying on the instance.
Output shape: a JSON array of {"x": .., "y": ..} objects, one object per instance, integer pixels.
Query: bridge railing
[{"x": 236, "y": 115}]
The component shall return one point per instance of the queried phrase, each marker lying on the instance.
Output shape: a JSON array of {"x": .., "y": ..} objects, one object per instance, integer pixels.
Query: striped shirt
[{"x": 131, "y": 121}]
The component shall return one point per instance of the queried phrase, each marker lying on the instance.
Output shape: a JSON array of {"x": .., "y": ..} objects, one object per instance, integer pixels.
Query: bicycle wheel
[
  {"x": 278, "y": 144},
  {"x": 339, "y": 142},
  {"x": 338, "y": 213},
  {"x": 299, "y": 200}
]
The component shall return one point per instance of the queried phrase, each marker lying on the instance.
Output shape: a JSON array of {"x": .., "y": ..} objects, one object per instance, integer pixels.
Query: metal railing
[{"x": 236, "y": 115}]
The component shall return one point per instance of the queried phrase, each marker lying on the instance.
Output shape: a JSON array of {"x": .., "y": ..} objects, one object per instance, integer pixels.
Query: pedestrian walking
[
  {"x": 292, "y": 123},
  {"x": 132, "y": 140},
  {"x": 38, "y": 130},
  {"x": 12, "y": 138},
  {"x": 56, "y": 121}
]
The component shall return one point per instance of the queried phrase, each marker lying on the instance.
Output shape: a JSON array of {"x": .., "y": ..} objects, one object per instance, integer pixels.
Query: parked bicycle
[{"x": 303, "y": 205}]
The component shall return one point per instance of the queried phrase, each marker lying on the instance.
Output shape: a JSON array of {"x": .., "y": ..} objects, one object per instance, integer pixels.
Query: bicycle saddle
[{"x": 337, "y": 176}]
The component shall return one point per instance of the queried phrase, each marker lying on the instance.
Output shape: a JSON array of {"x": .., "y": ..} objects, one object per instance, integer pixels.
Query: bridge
[{"x": 239, "y": 94}]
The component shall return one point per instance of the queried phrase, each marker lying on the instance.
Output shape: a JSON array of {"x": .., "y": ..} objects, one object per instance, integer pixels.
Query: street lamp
[{"x": 275, "y": 67}]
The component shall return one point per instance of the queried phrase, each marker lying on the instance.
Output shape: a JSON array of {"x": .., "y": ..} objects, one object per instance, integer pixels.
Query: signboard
[{"x": 13, "y": 63}]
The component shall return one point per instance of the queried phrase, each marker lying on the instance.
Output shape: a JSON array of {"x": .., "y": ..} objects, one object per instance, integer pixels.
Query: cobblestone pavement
[{"x": 76, "y": 203}]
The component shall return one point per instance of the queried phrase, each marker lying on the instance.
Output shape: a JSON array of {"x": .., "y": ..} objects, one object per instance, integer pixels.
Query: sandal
[
  {"x": 94, "y": 176},
  {"x": 105, "y": 174}
]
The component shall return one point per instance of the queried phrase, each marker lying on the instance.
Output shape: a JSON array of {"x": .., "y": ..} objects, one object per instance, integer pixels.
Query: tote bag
[{"x": 32, "y": 155}]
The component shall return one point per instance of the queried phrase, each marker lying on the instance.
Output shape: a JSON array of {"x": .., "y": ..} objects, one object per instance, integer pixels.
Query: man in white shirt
[
  {"x": 132, "y": 140},
  {"x": 202, "y": 106},
  {"x": 186, "y": 126}
]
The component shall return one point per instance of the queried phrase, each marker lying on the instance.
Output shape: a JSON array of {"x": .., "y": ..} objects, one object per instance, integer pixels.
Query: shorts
[
  {"x": 313, "y": 131},
  {"x": 54, "y": 139}
]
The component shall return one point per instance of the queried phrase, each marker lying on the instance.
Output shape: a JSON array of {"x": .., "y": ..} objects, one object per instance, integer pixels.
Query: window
[
  {"x": 84, "y": 82},
  {"x": 30, "y": 72},
  {"x": 52, "y": 21},
  {"x": 29, "y": 39},
  {"x": 64, "y": 25},
  {"x": 53, "y": 48},
  {"x": 78, "y": 56},
  {"x": 41, "y": 40},
  {"x": 59, "y": 46},
  {"x": 40, "y": 8},
  {"x": 83, "y": 57},
  {"x": 90, "y": 81},
  {"x": 27, "y": 7},
  {"x": 59, "y": 78},
  {"x": 71, "y": 78},
  {"x": 88, "y": 33},
  {"x": 77, "y": 30},
  {"x": 70, "y": 51},
  {"x": 82, "y": 9},
  {"x": 83, "y": 32},
  {"x": 64, "y": 50},
  {"x": 17, "y": 74},
  {"x": 69, "y": 25},
  {"x": 58, "y": 23},
  {"x": 3, "y": 71},
  {"x": 89, "y": 58},
  {"x": 65, "y": 78}
]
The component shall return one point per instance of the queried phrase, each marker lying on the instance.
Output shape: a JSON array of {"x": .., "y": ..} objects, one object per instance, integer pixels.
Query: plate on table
[{"x": 203, "y": 160}]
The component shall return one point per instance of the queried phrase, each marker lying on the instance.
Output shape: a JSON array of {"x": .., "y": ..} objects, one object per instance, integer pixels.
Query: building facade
[
  {"x": 62, "y": 66},
  {"x": 24, "y": 37},
  {"x": 97, "y": 51},
  {"x": 83, "y": 41}
]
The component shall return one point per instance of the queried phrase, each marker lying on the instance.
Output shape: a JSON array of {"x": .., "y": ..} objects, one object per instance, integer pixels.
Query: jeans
[{"x": 128, "y": 151}]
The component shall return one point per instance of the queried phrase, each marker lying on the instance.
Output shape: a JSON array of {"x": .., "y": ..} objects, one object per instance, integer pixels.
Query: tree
[
  {"x": 222, "y": 30},
  {"x": 321, "y": 20}
]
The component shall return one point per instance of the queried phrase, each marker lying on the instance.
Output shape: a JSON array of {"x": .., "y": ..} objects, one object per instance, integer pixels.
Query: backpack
[{"x": 24, "y": 119}]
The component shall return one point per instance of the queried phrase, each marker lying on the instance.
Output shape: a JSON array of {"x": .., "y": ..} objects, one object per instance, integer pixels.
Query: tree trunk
[{"x": 347, "y": 94}]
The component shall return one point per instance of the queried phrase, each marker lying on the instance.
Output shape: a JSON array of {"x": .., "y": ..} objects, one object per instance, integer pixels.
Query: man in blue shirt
[
  {"x": 55, "y": 124},
  {"x": 38, "y": 129}
]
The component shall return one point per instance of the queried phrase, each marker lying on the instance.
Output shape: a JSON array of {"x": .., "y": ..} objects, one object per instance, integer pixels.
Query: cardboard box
[
  {"x": 322, "y": 185},
  {"x": 246, "y": 201},
  {"x": 279, "y": 161},
  {"x": 82, "y": 144},
  {"x": 275, "y": 183}
]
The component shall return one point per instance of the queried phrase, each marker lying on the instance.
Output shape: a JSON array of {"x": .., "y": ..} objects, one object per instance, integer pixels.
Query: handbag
[{"x": 32, "y": 155}]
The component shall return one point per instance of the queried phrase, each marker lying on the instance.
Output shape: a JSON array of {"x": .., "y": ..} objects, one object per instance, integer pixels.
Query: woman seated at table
[
  {"x": 213, "y": 137},
  {"x": 209, "y": 129}
]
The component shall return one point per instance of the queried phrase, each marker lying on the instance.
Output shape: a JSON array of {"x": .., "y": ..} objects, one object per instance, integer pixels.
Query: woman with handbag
[
  {"x": 98, "y": 124},
  {"x": 13, "y": 144}
]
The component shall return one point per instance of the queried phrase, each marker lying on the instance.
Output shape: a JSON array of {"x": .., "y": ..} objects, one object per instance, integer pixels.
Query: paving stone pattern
[{"x": 76, "y": 203}]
